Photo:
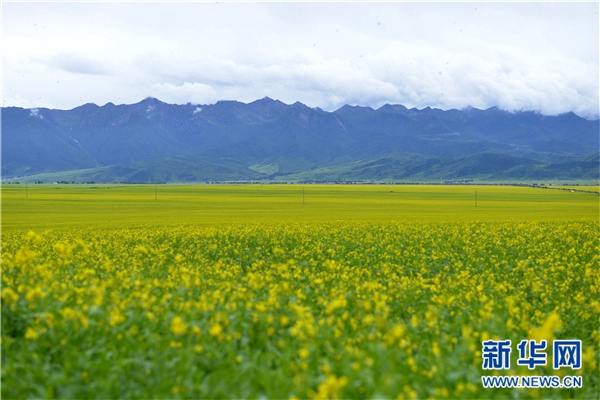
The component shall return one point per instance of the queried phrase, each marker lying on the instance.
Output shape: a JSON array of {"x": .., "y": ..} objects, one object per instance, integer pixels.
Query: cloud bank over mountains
[{"x": 539, "y": 56}]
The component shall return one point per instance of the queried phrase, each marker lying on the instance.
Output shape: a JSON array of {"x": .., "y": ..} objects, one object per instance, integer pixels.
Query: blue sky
[{"x": 517, "y": 56}]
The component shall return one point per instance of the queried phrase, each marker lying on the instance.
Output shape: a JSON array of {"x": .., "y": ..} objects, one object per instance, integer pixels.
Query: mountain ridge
[{"x": 294, "y": 136}]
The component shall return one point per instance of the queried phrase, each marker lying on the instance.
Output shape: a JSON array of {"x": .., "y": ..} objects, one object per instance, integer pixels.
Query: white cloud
[
  {"x": 77, "y": 64},
  {"x": 196, "y": 93},
  {"x": 530, "y": 56}
]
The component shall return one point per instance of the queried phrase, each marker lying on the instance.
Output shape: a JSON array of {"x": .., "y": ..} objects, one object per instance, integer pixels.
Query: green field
[{"x": 289, "y": 291}]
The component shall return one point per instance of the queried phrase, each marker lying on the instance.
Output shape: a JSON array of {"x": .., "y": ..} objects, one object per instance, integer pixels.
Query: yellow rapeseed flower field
[{"x": 246, "y": 291}]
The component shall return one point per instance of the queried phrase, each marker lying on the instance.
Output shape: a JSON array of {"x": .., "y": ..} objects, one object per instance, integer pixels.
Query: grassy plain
[{"x": 244, "y": 291}]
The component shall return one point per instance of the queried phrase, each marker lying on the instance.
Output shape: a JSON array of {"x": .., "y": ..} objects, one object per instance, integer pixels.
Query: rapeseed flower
[{"x": 178, "y": 326}]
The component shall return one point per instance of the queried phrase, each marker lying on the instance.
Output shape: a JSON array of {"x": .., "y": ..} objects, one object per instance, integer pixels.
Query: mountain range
[{"x": 152, "y": 141}]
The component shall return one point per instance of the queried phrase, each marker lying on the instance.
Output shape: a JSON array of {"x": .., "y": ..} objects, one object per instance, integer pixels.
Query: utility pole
[{"x": 475, "y": 197}]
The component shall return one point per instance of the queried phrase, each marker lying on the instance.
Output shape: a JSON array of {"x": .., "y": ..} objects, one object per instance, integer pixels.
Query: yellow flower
[
  {"x": 330, "y": 388},
  {"x": 590, "y": 359},
  {"x": 197, "y": 331},
  {"x": 436, "y": 349},
  {"x": 414, "y": 321},
  {"x": 398, "y": 330},
  {"x": 140, "y": 250},
  {"x": 24, "y": 255},
  {"x": 63, "y": 250},
  {"x": 9, "y": 296},
  {"x": 546, "y": 331},
  {"x": 178, "y": 326},
  {"x": 116, "y": 317},
  {"x": 33, "y": 237},
  {"x": 33, "y": 294},
  {"x": 82, "y": 247},
  {"x": 216, "y": 329},
  {"x": 68, "y": 313},
  {"x": 336, "y": 304},
  {"x": 303, "y": 352},
  {"x": 31, "y": 334}
]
